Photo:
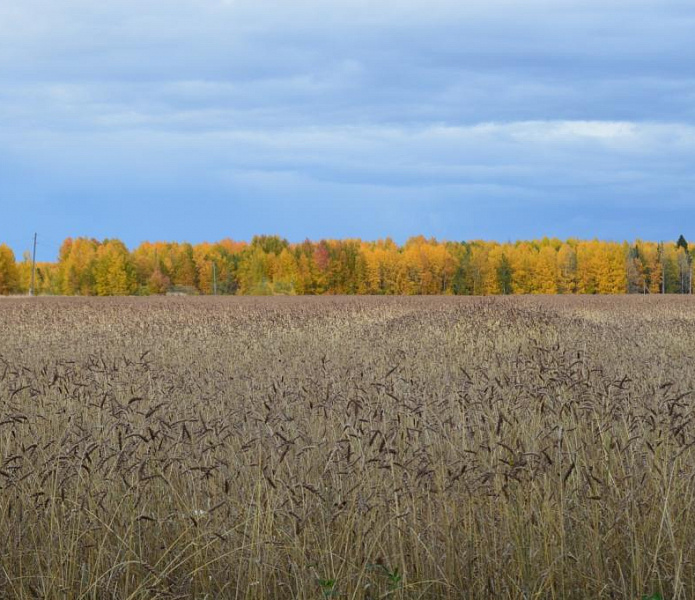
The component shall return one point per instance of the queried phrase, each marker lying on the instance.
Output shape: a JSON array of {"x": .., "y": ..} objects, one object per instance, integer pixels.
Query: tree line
[{"x": 270, "y": 265}]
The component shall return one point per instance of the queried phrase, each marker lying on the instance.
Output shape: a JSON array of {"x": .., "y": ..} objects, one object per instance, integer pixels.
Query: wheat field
[{"x": 347, "y": 448}]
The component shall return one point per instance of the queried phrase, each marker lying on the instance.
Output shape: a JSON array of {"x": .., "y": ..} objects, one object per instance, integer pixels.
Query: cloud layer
[{"x": 207, "y": 118}]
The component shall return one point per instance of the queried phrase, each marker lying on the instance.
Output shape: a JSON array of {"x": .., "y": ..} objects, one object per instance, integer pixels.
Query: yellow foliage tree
[
  {"x": 546, "y": 272},
  {"x": 77, "y": 260},
  {"x": 114, "y": 274},
  {"x": 9, "y": 275},
  {"x": 285, "y": 273}
]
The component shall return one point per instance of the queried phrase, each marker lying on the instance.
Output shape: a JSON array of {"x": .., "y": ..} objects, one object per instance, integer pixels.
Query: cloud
[
  {"x": 532, "y": 154},
  {"x": 434, "y": 111}
]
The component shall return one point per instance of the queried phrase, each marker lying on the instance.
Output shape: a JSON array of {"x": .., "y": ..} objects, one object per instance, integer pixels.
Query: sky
[{"x": 461, "y": 119}]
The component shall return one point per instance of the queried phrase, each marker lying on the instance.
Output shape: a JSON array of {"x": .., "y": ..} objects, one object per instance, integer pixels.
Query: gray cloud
[{"x": 422, "y": 113}]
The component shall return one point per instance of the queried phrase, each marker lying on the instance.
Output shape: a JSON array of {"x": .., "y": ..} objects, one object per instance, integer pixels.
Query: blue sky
[{"x": 203, "y": 119}]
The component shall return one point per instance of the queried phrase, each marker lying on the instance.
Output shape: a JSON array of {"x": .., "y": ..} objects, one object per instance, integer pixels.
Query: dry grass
[{"x": 347, "y": 448}]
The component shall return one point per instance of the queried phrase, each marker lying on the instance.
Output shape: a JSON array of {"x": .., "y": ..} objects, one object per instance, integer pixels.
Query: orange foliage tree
[{"x": 272, "y": 265}]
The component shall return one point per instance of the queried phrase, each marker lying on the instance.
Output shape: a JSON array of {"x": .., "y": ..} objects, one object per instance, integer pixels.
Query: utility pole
[
  {"x": 663, "y": 268},
  {"x": 33, "y": 268},
  {"x": 214, "y": 278}
]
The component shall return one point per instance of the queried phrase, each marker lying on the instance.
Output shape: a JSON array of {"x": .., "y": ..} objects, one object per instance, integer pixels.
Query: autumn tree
[
  {"x": 671, "y": 280},
  {"x": 523, "y": 263},
  {"x": 114, "y": 273},
  {"x": 436, "y": 267},
  {"x": 611, "y": 275},
  {"x": 381, "y": 267},
  {"x": 272, "y": 265},
  {"x": 285, "y": 273},
  {"x": 650, "y": 256},
  {"x": 342, "y": 272},
  {"x": 567, "y": 268},
  {"x": 9, "y": 275},
  {"x": 148, "y": 261},
  {"x": 217, "y": 264},
  {"x": 77, "y": 260},
  {"x": 635, "y": 271},
  {"x": 461, "y": 282},
  {"x": 158, "y": 282},
  {"x": 255, "y": 272},
  {"x": 504, "y": 275},
  {"x": 483, "y": 276},
  {"x": 270, "y": 244},
  {"x": 183, "y": 272},
  {"x": 546, "y": 271},
  {"x": 308, "y": 277},
  {"x": 322, "y": 260},
  {"x": 46, "y": 277}
]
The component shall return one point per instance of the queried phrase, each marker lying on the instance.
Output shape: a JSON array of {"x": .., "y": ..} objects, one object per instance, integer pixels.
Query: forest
[{"x": 270, "y": 265}]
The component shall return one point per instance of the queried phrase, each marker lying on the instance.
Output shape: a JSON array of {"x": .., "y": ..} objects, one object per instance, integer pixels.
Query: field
[{"x": 345, "y": 448}]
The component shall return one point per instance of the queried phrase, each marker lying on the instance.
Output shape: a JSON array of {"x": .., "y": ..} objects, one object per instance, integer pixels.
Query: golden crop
[{"x": 347, "y": 448}]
